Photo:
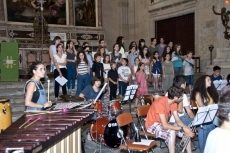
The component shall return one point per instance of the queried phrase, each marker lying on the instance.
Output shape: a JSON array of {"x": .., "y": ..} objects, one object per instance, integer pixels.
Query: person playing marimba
[{"x": 35, "y": 95}]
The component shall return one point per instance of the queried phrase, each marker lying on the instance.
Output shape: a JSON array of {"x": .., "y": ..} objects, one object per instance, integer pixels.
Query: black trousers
[
  {"x": 56, "y": 85},
  {"x": 113, "y": 91}
]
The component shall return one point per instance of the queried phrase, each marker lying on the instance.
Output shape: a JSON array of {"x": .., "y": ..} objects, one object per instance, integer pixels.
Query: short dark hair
[
  {"x": 96, "y": 55},
  {"x": 224, "y": 106},
  {"x": 111, "y": 63},
  {"x": 95, "y": 78},
  {"x": 179, "y": 80},
  {"x": 85, "y": 43},
  {"x": 152, "y": 39},
  {"x": 101, "y": 40},
  {"x": 216, "y": 68},
  {"x": 189, "y": 51},
  {"x": 34, "y": 66},
  {"x": 175, "y": 91},
  {"x": 127, "y": 61}
]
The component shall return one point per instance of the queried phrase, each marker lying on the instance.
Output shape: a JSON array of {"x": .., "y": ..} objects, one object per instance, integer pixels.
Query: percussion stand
[{"x": 129, "y": 94}]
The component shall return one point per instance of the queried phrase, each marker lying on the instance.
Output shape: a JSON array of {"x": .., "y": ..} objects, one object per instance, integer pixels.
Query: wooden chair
[{"x": 126, "y": 119}]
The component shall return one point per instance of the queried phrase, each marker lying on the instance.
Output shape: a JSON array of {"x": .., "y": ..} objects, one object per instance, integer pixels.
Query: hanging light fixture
[{"x": 227, "y": 2}]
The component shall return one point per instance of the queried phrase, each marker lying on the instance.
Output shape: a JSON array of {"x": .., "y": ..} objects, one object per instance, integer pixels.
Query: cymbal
[{"x": 71, "y": 98}]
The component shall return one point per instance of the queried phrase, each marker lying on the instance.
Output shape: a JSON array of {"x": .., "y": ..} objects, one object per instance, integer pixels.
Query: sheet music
[
  {"x": 144, "y": 142},
  {"x": 130, "y": 92},
  {"x": 219, "y": 84},
  {"x": 205, "y": 114},
  {"x": 67, "y": 105},
  {"x": 61, "y": 80}
]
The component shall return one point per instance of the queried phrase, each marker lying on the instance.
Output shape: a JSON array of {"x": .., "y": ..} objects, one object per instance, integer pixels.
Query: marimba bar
[{"x": 55, "y": 133}]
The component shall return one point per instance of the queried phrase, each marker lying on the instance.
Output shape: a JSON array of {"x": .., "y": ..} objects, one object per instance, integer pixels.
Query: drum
[
  {"x": 98, "y": 106},
  {"x": 115, "y": 106},
  {"x": 5, "y": 114},
  {"x": 106, "y": 131}
]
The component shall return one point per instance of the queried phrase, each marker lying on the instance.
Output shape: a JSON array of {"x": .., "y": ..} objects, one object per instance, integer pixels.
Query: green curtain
[{"x": 9, "y": 61}]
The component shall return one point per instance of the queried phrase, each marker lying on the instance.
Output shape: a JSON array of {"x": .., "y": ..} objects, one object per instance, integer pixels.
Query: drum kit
[{"x": 105, "y": 129}]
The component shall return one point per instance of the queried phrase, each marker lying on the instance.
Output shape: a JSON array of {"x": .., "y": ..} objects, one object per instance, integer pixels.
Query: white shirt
[
  {"x": 60, "y": 60},
  {"x": 185, "y": 103},
  {"x": 218, "y": 141},
  {"x": 106, "y": 66},
  {"x": 122, "y": 51},
  {"x": 188, "y": 69},
  {"x": 124, "y": 71},
  {"x": 54, "y": 51}
]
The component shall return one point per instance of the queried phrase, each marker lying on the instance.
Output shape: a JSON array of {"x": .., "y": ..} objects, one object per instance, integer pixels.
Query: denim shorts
[{"x": 189, "y": 79}]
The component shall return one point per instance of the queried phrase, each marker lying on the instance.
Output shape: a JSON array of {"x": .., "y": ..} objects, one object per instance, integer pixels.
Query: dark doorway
[{"x": 179, "y": 30}]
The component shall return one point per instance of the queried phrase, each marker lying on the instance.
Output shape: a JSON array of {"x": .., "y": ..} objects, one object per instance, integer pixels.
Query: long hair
[
  {"x": 104, "y": 59},
  {"x": 156, "y": 52},
  {"x": 68, "y": 43},
  {"x": 119, "y": 42},
  {"x": 200, "y": 87},
  {"x": 58, "y": 46},
  {"x": 78, "y": 58},
  {"x": 142, "y": 52},
  {"x": 139, "y": 44},
  {"x": 55, "y": 39},
  {"x": 165, "y": 51},
  {"x": 175, "y": 49},
  {"x": 34, "y": 66},
  {"x": 113, "y": 48},
  {"x": 131, "y": 47},
  {"x": 228, "y": 79},
  {"x": 131, "y": 44},
  {"x": 139, "y": 65},
  {"x": 99, "y": 51}
]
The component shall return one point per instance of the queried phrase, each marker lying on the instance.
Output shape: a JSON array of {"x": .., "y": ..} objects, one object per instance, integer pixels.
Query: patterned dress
[{"x": 142, "y": 82}]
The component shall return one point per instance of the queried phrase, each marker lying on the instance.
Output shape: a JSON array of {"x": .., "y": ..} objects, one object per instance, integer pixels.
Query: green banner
[{"x": 8, "y": 61}]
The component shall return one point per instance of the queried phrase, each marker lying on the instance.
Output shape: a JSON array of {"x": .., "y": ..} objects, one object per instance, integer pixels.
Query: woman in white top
[
  {"x": 53, "y": 51},
  {"x": 120, "y": 41},
  {"x": 59, "y": 69}
]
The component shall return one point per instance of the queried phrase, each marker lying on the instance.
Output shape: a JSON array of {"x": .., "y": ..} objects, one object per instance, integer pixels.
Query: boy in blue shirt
[{"x": 216, "y": 74}]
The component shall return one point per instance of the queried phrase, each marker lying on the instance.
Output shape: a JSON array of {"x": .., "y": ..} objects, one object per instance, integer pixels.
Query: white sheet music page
[
  {"x": 144, "y": 142},
  {"x": 219, "y": 84},
  {"x": 61, "y": 80},
  {"x": 205, "y": 114}
]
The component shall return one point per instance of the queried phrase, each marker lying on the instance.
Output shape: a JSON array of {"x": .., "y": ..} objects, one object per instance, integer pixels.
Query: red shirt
[{"x": 160, "y": 106}]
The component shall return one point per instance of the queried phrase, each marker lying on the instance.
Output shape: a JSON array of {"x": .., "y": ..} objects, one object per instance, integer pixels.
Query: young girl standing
[
  {"x": 106, "y": 66},
  {"x": 141, "y": 78},
  {"x": 124, "y": 74},
  {"x": 101, "y": 51},
  {"x": 156, "y": 70},
  {"x": 83, "y": 71},
  {"x": 145, "y": 58},
  {"x": 115, "y": 56},
  {"x": 132, "y": 55},
  {"x": 134, "y": 70},
  {"x": 167, "y": 72},
  {"x": 71, "y": 65}
]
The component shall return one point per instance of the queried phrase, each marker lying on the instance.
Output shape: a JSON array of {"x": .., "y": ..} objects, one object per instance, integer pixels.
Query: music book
[
  {"x": 130, "y": 92},
  {"x": 144, "y": 142},
  {"x": 61, "y": 80}
]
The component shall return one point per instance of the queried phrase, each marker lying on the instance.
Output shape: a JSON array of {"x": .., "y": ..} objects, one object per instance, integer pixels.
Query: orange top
[{"x": 160, "y": 106}]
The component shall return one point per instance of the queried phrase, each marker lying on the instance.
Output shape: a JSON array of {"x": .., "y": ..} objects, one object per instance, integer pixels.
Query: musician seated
[
  {"x": 91, "y": 91},
  {"x": 158, "y": 115},
  {"x": 218, "y": 139},
  {"x": 35, "y": 96},
  {"x": 185, "y": 113},
  {"x": 204, "y": 93},
  {"x": 216, "y": 74},
  {"x": 227, "y": 87}
]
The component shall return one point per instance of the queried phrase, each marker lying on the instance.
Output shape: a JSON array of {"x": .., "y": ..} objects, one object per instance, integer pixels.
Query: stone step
[{"x": 20, "y": 84}]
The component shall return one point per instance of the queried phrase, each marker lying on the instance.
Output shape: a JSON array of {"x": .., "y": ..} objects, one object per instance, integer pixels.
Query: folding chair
[{"x": 126, "y": 119}]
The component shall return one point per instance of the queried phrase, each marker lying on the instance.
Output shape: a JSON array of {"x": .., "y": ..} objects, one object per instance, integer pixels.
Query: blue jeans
[
  {"x": 186, "y": 120},
  {"x": 71, "y": 75},
  {"x": 177, "y": 71},
  {"x": 203, "y": 134},
  {"x": 80, "y": 80},
  {"x": 122, "y": 87}
]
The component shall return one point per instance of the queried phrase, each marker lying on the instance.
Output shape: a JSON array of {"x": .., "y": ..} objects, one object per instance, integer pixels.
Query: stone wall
[{"x": 135, "y": 19}]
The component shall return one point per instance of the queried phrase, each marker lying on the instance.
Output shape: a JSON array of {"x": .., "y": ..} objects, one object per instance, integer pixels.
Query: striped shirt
[{"x": 82, "y": 68}]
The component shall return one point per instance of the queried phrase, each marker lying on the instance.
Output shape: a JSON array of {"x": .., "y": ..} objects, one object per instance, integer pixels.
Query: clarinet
[{"x": 192, "y": 65}]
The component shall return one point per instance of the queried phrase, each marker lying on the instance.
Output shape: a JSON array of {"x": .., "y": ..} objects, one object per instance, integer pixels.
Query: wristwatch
[{"x": 181, "y": 129}]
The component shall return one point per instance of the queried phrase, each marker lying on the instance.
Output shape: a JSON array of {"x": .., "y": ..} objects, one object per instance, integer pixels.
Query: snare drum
[
  {"x": 106, "y": 131},
  {"x": 115, "y": 106},
  {"x": 5, "y": 114}
]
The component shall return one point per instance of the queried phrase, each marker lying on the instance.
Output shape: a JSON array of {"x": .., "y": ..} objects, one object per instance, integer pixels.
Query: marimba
[{"x": 59, "y": 132}]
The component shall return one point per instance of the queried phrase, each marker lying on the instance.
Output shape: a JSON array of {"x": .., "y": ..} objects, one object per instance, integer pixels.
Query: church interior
[{"x": 28, "y": 28}]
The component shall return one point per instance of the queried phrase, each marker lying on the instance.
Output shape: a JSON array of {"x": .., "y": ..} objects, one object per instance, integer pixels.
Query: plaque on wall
[
  {"x": 25, "y": 10},
  {"x": 85, "y": 13}
]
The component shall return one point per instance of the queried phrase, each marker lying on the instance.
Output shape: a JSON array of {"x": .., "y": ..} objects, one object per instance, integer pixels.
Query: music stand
[
  {"x": 219, "y": 84},
  {"x": 129, "y": 94},
  {"x": 205, "y": 115}
]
